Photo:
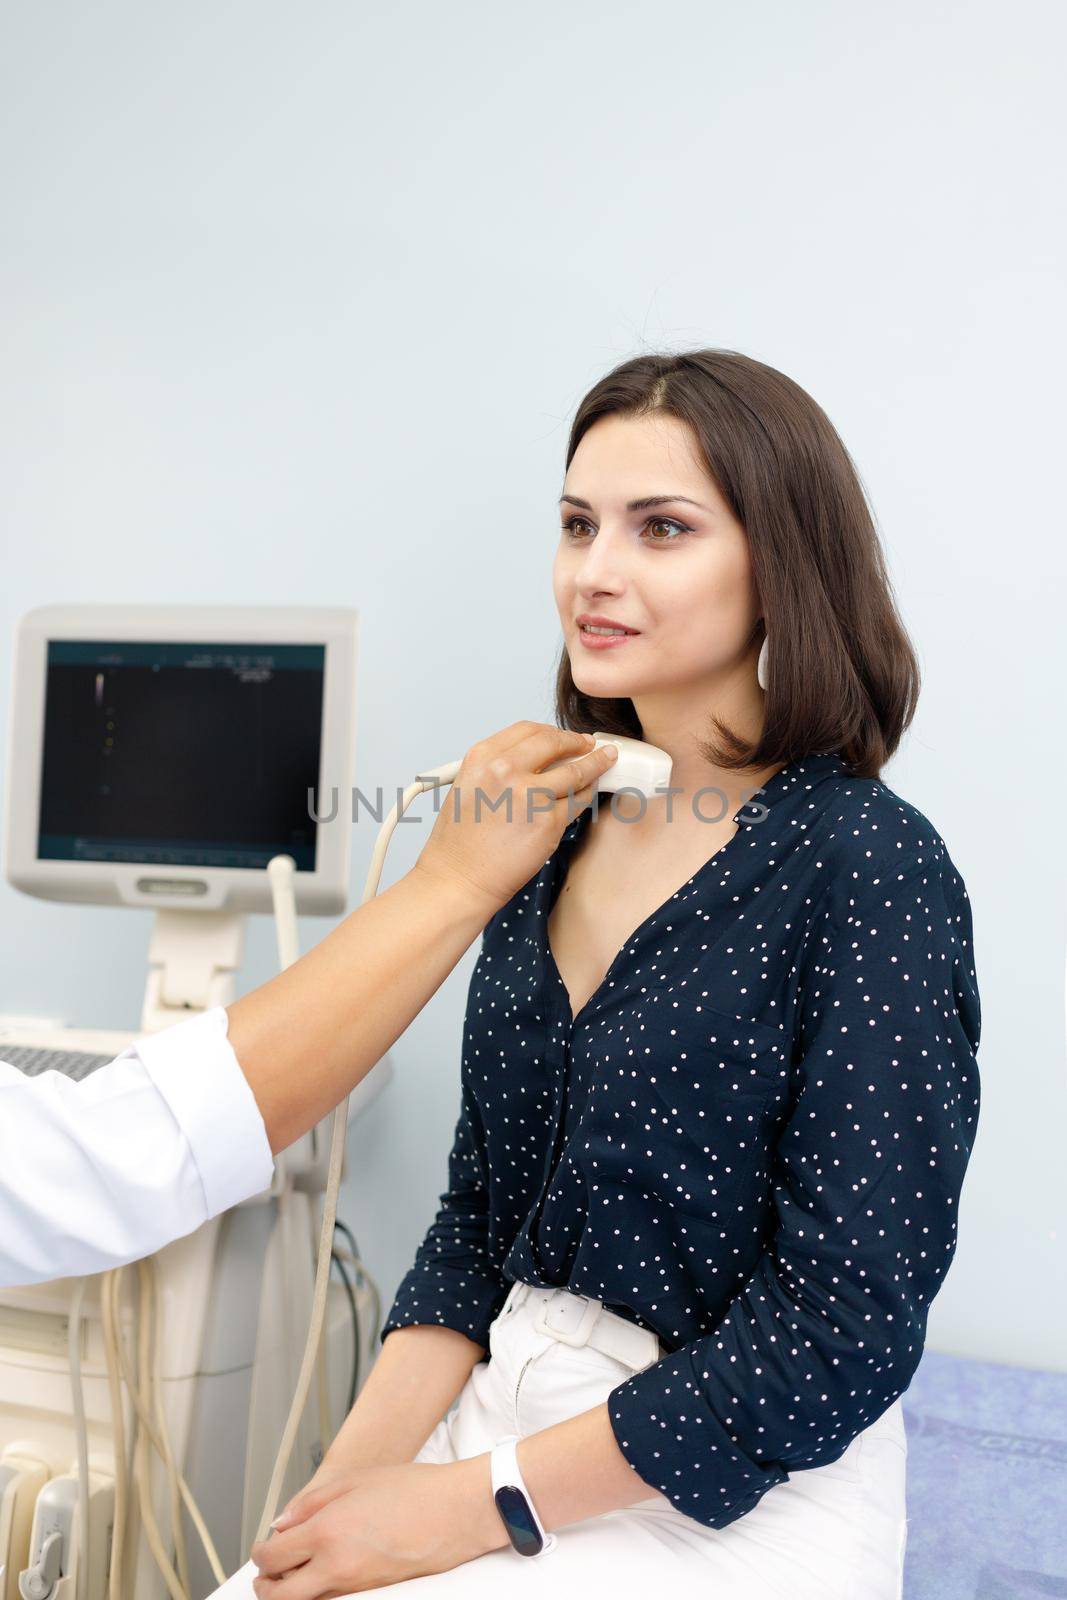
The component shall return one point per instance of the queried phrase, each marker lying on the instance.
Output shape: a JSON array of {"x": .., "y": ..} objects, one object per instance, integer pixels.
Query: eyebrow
[{"x": 646, "y": 504}]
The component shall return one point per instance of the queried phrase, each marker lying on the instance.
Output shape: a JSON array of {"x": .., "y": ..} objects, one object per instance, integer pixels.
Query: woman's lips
[{"x": 604, "y": 641}]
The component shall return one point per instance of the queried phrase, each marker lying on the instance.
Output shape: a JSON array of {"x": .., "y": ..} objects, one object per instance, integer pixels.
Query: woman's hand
[
  {"x": 332, "y": 1479},
  {"x": 375, "y": 1526}
]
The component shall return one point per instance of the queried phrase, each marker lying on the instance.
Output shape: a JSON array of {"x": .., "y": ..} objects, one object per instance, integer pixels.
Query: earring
[{"x": 761, "y": 664}]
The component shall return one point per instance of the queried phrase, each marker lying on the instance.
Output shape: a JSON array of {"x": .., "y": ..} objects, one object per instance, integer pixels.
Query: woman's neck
[{"x": 678, "y": 724}]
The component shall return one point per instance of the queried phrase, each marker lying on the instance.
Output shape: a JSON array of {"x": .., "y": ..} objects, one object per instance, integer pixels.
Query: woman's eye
[
  {"x": 570, "y": 523},
  {"x": 571, "y": 526},
  {"x": 667, "y": 522}
]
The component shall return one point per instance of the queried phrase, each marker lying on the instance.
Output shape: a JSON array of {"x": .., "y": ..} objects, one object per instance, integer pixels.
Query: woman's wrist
[
  {"x": 357, "y": 1448},
  {"x": 482, "y": 1520}
]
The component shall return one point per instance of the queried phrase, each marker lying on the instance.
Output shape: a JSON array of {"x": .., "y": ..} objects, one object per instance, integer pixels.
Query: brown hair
[{"x": 841, "y": 673}]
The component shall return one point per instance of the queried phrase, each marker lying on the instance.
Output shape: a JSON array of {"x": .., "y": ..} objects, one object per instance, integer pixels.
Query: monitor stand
[{"x": 192, "y": 959}]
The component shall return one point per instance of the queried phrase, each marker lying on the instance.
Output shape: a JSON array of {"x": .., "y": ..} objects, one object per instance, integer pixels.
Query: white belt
[{"x": 577, "y": 1320}]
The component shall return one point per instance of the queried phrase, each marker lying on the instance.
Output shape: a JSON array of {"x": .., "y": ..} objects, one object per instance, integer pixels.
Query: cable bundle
[{"x": 150, "y": 1431}]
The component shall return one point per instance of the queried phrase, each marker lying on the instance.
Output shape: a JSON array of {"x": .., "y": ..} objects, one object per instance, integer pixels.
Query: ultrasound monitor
[{"x": 161, "y": 756}]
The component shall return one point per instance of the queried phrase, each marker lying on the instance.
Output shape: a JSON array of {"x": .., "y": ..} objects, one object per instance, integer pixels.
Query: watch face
[{"x": 515, "y": 1511}]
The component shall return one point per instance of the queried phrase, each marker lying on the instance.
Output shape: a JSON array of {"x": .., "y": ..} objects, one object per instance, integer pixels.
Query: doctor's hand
[
  {"x": 495, "y": 850},
  {"x": 382, "y": 1525},
  {"x": 309, "y": 1035}
]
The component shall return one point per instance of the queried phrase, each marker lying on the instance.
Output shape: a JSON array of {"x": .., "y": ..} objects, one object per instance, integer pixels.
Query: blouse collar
[{"x": 798, "y": 775}]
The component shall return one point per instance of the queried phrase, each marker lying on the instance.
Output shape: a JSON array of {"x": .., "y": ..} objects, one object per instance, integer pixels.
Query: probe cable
[{"x": 339, "y": 1130}]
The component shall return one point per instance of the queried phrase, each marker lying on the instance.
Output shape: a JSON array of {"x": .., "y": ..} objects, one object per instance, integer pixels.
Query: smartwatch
[{"x": 514, "y": 1504}]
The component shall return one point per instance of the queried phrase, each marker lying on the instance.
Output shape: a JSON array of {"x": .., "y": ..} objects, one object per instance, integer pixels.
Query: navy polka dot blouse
[{"x": 752, "y": 1138}]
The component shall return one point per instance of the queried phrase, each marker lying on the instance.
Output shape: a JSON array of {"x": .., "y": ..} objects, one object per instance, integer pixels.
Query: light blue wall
[{"x": 298, "y": 302}]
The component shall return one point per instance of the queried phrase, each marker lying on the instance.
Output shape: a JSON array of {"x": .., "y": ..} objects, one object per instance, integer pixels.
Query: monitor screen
[{"x": 199, "y": 755}]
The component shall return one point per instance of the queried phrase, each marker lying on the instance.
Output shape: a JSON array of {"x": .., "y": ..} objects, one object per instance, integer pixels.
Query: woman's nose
[{"x": 603, "y": 565}]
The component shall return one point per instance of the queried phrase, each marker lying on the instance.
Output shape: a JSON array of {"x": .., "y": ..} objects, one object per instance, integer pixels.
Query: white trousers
[{"x": 836, "y": 1532}]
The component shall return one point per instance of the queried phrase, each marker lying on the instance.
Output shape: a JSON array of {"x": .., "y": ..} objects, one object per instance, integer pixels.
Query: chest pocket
[{"x": 680, "y": 1111}]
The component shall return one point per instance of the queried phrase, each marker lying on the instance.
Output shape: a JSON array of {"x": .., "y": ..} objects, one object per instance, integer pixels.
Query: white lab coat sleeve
[{"x": 109, "y": 1169}]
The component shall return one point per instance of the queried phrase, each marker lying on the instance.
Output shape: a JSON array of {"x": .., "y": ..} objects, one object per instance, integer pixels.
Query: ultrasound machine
[{"x": 162, "y": 758}]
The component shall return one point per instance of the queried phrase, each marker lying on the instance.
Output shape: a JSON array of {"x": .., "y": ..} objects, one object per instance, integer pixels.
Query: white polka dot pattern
[{"x": 752, "y": 1138}]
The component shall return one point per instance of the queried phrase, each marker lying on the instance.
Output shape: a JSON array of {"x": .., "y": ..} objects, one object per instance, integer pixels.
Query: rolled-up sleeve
[
  {"x": 867, "y": 1172},
  {"x": 453, "y": 1282},
  {"x": 102, "y": 1171}
]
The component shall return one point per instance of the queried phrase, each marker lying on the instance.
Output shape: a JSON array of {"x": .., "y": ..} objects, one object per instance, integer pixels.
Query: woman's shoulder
[
  {"x": 870, "y": 835},
  {"x": 887, "y": 882}
]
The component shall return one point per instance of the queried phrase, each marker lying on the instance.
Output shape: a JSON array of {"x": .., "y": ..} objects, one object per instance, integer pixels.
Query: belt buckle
[{"x": 580, "y": 1336}]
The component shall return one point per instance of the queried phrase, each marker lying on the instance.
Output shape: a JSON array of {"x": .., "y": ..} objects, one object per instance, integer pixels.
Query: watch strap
[{"x": 517, "y": 1510}]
